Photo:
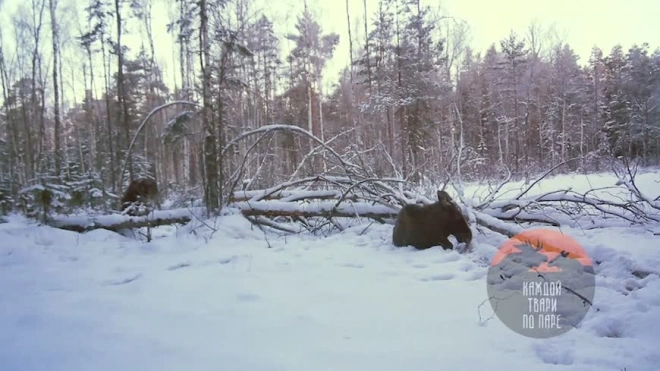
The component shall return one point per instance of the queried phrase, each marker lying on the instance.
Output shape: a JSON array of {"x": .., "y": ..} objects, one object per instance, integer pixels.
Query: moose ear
[{"x": 444, "y": 198}]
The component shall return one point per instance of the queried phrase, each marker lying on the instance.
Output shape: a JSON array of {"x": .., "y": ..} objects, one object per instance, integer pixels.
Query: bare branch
[
  {"x": 294, "y": 129},
  {"x": 544, "y": 176}
]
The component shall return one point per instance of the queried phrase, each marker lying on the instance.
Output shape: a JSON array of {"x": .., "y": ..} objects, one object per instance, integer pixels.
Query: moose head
[
  {"x": 140, "y": 191},
  {"x": 430, "y": 225}
]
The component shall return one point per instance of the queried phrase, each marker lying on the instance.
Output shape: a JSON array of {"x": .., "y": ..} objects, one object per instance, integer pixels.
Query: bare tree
[
  {"x": 56, "y": 89},
  {"x": 122, "y": 112},
  {"x": 211, "y": 195}
]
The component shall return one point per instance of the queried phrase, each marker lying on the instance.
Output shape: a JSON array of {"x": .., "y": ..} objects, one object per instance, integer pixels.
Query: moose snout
[{"x": 464, "y": 235}]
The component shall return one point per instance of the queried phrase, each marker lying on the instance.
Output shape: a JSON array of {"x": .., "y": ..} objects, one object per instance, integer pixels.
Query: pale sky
[
  {"x": 584, "y": 23},
  {"x": 581, "y": 23}
]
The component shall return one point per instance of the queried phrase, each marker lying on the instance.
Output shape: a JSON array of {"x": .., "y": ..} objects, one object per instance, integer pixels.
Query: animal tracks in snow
[
  {"x": 222, "y": 261},
  {"x": 448, "y": 257},
  {"x": 433, "y": 266},
  {"x": 123, "y": 281},
  {"x": 438, "y": 277},
  {"x": 247, "y": 297},
  {"x": 179, "y": 266},
  {"x": 175, "y": 267},
  {"x": 553, "y": 354}
]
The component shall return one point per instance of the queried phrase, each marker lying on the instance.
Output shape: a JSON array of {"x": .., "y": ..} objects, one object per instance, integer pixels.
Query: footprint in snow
[
  {"x": 123, "y": 281},
  {"x": 352, "y": 265},
  {"x": 554, "y": 354},
  {"x": 179, "y": 266},
  {"x": 448, "y": 257},
  {"x": 68, "y": 259},
  {"x": 467, "y": 266},
  {"x": 227, "y": 260},
  {"x": 475, "y": 275},
  {"x": 362, "y": 242},
  {"x": 438, "y": 277},
  {"x": 391, "y": 273},
  {"x": 419, "y": 265},
  {"x": 243, "y": 297}
]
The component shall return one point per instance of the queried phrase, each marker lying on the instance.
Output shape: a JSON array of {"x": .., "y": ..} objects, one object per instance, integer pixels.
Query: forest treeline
[{"x": 414, "y": 101}]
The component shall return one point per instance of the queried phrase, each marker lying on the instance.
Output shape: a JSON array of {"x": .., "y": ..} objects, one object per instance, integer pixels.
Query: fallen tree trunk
[
  {"x": 133, "y": 222},
  {"x": 118, "y": 222},
  {"x": 240, "y": 196},
  {"x": 497, "y": 225},
  {"x": 317, "y": 209}
]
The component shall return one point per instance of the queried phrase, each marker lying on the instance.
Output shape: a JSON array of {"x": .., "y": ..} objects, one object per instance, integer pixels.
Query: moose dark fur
[
  {"x": 140, "y": 190},
  {"x": 430, "y": 225}
]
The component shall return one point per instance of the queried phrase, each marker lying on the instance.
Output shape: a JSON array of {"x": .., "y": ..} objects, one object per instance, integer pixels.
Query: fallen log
[
  {"x": 241, "y": 196},
  {"x": 118, "y": 222},
  {"x": 317, "y": 209},
  {"x": 497, "y": 225}
]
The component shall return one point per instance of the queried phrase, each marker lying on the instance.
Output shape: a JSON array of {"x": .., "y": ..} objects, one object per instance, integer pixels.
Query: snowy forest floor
[{"x": 351, "y": 301}]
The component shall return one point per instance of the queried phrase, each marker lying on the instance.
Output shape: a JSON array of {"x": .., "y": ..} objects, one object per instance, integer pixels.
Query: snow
[
  {"x": 34, "y": 187},
  {"x": 605, "y": 186},
  {"x": 213, "y": 296},
  {"x": 96, "y": 193}
]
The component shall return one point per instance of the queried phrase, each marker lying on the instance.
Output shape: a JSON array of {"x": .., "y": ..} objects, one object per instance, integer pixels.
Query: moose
[
  {"x": 426, "y": 226},
  {"x": 140, "y": 191}
]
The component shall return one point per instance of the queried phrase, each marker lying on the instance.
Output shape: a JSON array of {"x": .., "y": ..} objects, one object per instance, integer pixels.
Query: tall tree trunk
[
  {"x": 351, "y": 119},
  {"x": 310, "y": 117},
  {"x": 500, "y": 151},
  {"x": 366, "y": 44},
  {"x": 210, "y": 147},
  {"x": 90, "y": 116},
  {"x": 562, "y": 142},
  {"x": 582, "y": 142},
  {"x": 540, "y": 119},
  {"x": 321, "y": 128},
  {"x": 121, "y": 92},
  {"x": 401, "y": 108},
  {"x": 350, "y": 43},
  {"x": 56, "y": 91},
  {"x": 36, "y": 23},
  {"x": 42, "y": 121},
  {"x": 647, "y": 124},
  {"x": 108, "y": 121}
]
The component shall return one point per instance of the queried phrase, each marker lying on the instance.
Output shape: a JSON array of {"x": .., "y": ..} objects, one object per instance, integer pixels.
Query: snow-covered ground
[{"x": 225, "y": 301}]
